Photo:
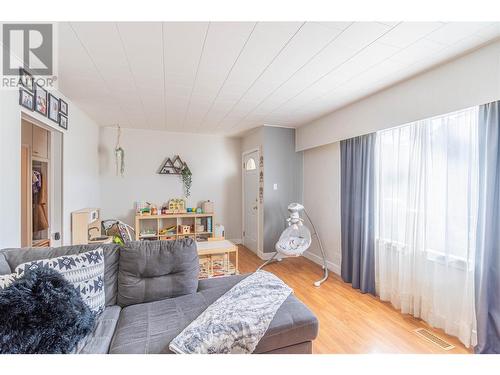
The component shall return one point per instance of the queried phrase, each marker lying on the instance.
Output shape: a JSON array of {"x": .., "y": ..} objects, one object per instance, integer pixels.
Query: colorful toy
[
  {"x": 169, "y": 231},
  {"x": 184, "y": 229},
  {"x": 176, "y": 206}
]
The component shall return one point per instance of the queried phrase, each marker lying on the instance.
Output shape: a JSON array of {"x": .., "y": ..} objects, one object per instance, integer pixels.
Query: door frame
[
  {"x": 259, "y": 236},
  {"x": 51, "y": 130}
]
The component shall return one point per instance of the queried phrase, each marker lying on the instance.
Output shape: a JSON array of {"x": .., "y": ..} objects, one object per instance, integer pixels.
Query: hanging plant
[
  {"x": 119, "y": 154},
  {"x": 186, "y": 177},
  {"x": 120, "y": 161}
]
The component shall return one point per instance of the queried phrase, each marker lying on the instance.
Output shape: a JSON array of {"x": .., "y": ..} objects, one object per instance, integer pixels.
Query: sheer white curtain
[{"x": 427, "y": 194}]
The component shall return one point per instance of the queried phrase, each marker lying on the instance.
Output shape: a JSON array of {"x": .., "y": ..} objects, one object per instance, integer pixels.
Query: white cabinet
[
  {"x": 40, "y": 145},
  {"x": 26, "y": 133}
]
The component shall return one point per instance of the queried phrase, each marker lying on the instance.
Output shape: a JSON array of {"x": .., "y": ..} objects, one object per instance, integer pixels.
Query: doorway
[
  {"x": 251, "y": 200},
  {"x": 41, "y": 184}
]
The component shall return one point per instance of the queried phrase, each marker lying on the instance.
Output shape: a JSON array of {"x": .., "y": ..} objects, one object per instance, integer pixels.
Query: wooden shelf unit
[{"x": 159, "y": 222}]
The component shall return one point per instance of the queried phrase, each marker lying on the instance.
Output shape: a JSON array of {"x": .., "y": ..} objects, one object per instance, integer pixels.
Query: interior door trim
[{"x": 52, "y": 129}]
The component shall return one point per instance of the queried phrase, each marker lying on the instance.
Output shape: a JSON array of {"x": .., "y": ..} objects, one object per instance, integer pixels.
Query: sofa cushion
[
  {"x": 16, "y": 256},
  {"x": 99, "y": 340},
  {"x": 149, "y": 327},
  {"x": 294, "y": 323},
  {"x": 4, "y": 266},
  {"x": 154, "y": 270},
  {"x": 84, "y": 271}
]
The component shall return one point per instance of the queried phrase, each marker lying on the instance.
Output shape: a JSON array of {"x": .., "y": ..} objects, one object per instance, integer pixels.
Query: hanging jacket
[{"x": 40, "y": 217}]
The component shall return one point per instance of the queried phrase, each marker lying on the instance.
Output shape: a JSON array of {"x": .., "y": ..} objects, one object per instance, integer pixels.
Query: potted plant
[{"x": 186, "y": 177}]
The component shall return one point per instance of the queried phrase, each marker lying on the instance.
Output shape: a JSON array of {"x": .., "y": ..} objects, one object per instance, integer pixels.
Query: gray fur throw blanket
[
  {"x": 236, "y": 322},
  {"x": 42, "y": 313}
]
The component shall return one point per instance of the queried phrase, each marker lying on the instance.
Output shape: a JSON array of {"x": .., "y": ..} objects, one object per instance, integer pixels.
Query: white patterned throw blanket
[{"x": 236, "y": 322}]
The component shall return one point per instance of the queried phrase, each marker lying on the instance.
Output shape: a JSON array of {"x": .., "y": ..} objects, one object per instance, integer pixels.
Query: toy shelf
[{"x": 166, "y": 227}]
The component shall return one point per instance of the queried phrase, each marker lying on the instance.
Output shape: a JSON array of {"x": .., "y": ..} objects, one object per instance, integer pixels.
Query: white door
[{"x": 251, "y": 200}]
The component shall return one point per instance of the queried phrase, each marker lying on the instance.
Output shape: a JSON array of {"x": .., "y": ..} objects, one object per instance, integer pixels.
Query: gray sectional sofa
[{"x": 153, "y": 293}]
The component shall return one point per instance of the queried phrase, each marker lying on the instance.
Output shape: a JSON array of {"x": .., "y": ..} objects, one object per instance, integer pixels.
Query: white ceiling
[{"x": 225, "y": 78}]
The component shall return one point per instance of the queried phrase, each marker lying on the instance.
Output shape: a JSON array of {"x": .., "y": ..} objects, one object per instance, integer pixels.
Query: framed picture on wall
[
  {"x": 26, "y": 99},
  {"x": 40, "y": 100},
  {"x": 63, "y": 107},
  {"x": 26, "y": 80},
  {"x": 53, "y": 108},
  {"x": 63, "y": 121}
]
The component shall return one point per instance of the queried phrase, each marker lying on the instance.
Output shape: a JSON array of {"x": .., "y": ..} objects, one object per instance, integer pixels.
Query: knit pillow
[
  {"x": 85, "y": 271},
  {"x": 42, "y": 313}
]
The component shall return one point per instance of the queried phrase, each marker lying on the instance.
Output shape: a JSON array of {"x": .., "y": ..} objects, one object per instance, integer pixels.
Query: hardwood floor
[{"x": 349, "y": 322}]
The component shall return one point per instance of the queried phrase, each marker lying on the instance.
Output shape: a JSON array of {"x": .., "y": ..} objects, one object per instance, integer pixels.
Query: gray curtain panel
[
  {"x": 357, "y": 156},
  {"x": 487, "y": 272}
]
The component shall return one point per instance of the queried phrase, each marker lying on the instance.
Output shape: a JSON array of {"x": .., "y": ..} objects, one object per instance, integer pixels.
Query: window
[
  {"x": 428, "y": 183},
  {"x": 250, "y": 165}
]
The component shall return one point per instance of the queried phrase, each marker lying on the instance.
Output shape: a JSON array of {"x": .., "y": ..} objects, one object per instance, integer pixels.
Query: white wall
[
  {"x": 80, "y": 165},
  {"x": 253, "y": 139},
  {"x": 213, "y": 160},
  {"x": 10, "y": 169},
  {"x": 81, "y": 186},
  {"x": 470, "y": 80},
  {"x": 322, "y": 201}
]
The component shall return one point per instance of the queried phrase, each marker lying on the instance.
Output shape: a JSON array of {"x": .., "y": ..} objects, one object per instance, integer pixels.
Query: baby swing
[{"x": 296, "y": 239}]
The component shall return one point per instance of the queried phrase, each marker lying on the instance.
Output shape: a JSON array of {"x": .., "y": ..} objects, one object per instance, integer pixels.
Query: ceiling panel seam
[
  {"x": 261, "y": 74},
  {"x": 196, "y": 75},
  {"x": 327, "y": 73},
  {"x": 145, "y": 114},
  {"x": 98, "y": 72},
  {"x": 291, "y": 76},
  {"x": 350, "y": 79},
  {"x": 227, "y": 77}
]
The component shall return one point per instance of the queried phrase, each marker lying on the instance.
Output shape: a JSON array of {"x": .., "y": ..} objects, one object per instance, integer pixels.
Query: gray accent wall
[{"x": 284, "y": 167}]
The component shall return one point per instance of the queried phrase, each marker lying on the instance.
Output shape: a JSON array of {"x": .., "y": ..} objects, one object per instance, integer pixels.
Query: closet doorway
[{"x": 41, "y": 184}]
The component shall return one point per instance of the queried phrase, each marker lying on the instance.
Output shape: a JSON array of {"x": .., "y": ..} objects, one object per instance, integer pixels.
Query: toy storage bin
[{"x": 207, "y": 207}]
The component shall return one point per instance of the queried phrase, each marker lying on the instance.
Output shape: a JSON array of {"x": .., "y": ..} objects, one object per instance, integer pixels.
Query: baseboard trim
[
  {"x": 335, "y": 268},
  {"x": 236, "y": 241}
]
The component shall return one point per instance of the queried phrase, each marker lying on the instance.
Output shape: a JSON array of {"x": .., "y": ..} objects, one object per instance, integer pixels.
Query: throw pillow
[
  {"x": 6, "y": 280},
  {"x": 85, "y": 271},
  {"x": 45, "y": 314}
]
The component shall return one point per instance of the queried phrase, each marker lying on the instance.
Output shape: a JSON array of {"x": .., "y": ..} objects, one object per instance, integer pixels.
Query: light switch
[{"x": 275, "y": 187}]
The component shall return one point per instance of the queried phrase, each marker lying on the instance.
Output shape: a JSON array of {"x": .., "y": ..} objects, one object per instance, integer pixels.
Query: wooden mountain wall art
[{"x": 172, "y": 167}]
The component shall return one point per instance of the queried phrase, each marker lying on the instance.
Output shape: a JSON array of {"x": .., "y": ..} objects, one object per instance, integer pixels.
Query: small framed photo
[
  {"x": 26, "y": 99},
  {"x": 63, "y": 121},
  {"x": 40, "y": 100},
  {"x": 53, "y": 108},
  {"x": 63, "y": 107},
  {"x": 26, "y": 80}
]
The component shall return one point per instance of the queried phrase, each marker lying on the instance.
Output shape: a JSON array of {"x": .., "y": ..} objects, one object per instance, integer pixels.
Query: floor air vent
[{"x": 429, "y": 336}]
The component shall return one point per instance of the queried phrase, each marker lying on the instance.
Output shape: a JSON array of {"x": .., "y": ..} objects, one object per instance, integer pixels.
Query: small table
[{"x": 214, "y": 250}]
